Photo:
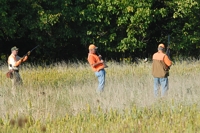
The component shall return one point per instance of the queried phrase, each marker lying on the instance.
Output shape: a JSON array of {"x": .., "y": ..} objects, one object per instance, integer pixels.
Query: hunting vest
[{"x": 159, "y": 68}]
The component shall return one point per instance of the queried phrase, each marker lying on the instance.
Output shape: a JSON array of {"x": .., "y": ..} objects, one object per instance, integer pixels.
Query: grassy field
[{"x": 62, "y": 98}]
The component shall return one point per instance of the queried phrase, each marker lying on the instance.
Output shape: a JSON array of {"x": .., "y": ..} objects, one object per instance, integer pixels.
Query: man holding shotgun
[
  {"x": 97, "y": 65},
  {"x": 160, "y": 70},
  {"x": 13, "y": 64}
]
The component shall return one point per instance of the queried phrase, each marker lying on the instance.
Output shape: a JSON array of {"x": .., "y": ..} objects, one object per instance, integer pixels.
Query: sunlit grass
[{"x": 62, "y": 98}]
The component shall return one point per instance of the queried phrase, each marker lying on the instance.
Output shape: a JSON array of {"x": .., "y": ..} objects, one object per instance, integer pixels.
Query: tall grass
[{"x": 63, "y": 97}]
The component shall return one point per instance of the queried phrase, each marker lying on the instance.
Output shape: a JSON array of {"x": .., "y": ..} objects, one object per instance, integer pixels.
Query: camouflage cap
[{"x": 14, "y": 48}]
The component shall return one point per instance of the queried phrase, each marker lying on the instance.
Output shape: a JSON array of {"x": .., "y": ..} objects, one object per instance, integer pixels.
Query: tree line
[{"x": 120, "y": 28}]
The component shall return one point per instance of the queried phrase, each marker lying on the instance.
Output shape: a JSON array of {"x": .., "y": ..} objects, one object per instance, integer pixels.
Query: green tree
[{"x": 65, "y": 28}]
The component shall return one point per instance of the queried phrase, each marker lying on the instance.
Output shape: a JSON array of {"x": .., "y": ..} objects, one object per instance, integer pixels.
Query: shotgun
[
  {"x": 101, "y": 58},
  {"x": 168, "y": 48},
  {"x": 29, "y": 52}
]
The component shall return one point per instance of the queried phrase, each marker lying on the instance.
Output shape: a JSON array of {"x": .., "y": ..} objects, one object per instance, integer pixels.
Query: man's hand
[
  {"x": 29, "y": 52},
  {"x": 21, "y": 59},
  {"x": 100, "y": 57}
]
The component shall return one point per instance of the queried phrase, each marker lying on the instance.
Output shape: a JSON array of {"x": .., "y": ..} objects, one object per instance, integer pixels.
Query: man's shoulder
[
  {"x": 158, "y": 55},
  {"x": 155, "y": 54},
  {"x": 92, "y": 55},
  {"x": 10, "y": 56}
]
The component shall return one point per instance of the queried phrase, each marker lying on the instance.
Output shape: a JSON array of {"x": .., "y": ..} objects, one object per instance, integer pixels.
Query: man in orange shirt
[
  {"x": 13, "y": 64},
  {"x": 97, "y": 66},
  {"x": 160, "y": 70}
]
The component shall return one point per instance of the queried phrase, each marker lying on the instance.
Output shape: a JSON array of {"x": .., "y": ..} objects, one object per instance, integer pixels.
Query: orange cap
[
  {"x": 92, "y": 46},
  {"x": 161, "y": 45}
]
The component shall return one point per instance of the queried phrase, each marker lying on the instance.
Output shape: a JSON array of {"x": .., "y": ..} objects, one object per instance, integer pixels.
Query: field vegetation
[{"x": 62, "y": 97}]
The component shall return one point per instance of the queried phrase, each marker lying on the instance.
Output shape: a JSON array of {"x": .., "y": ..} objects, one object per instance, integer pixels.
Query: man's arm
[
  {"x": 167, "y": 61},
  {"x": 92, "y": 61},
  {"x": 25, "y": 58},
  {"x": 95, "y": 64}
]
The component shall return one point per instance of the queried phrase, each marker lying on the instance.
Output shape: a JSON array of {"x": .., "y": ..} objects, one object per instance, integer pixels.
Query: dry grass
[{"x": 51, "y": 92}]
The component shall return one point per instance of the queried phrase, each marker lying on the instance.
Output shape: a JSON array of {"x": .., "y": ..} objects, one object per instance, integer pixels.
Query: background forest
[
  {"x": 120, "y": 28},
  {"x": 58, "y": 93}
]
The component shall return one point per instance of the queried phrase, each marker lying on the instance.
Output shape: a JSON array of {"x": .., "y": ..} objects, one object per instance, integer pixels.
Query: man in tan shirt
[
  {"x": 13, "y": 64},
  {"x": 160, "y": 70}
]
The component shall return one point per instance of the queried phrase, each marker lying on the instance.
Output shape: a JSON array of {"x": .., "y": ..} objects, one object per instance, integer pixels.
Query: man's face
[
  {"x": 92, "y": 51},
  {"x": 15, "y": 52}
]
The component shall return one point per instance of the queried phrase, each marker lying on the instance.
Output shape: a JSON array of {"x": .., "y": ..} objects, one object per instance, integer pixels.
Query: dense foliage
[{"x": 126, "y": 28}]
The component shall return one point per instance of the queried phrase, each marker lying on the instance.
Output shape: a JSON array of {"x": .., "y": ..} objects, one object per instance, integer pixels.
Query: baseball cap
[
  {"x": 92, "y": 46},
  {"x": 161, "y": 45},
  {"x": 14, "y": 48}
]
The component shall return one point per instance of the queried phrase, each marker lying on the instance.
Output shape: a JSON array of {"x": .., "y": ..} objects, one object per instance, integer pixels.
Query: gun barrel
[
  {"x": 168, "y": 48},
  {"x": 34, "y": 48},
  {"x": 30, "y": 51}
]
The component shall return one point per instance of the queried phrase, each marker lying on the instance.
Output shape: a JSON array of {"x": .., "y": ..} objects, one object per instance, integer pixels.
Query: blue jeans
[
  {"x": 163, "y": 82},
  {"x": 101, "y": 78}
]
